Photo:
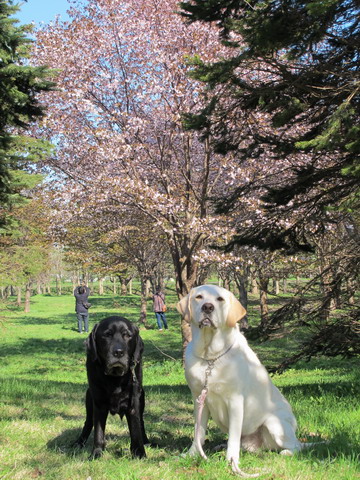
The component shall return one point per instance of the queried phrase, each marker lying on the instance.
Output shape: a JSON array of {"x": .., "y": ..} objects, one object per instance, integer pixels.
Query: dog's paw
[
  {"x": 138, "y": 452},
  {"x": 96, "y": 453},
  {"x": 192, "y": 452},
  {"x": 287, "y": 452}
]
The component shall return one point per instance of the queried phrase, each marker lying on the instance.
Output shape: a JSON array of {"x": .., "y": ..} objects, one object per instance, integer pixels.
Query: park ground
[{"x": 43, "y": 381}]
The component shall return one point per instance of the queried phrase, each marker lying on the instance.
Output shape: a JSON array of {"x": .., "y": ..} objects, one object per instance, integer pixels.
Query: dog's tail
[
  {"x": 302, "y": 446},
  {"x": 235, "y": 468}
]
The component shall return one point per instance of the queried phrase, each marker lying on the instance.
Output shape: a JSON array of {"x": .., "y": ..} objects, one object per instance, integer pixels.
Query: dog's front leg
[
  {"x": 80, "y": 442},
  {"x": 201, "y": 413},
  {"x": 236, "y": 418},
  {"x": 136, "y": 434},
  {"x": 100, "y": 416}
]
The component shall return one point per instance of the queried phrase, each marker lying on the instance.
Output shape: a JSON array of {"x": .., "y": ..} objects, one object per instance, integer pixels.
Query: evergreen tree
[
  {"x": 20, "y": 85},
  {"x": 287, "y": 99},
  {"x": 297, "y": 62}
]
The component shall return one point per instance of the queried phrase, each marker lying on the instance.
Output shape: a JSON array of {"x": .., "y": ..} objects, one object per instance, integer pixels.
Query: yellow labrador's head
[{"x": 211, "y": 306}]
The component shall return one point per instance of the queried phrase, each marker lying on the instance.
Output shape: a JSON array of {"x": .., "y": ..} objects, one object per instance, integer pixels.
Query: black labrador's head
[{"x": 115, "y": 343}]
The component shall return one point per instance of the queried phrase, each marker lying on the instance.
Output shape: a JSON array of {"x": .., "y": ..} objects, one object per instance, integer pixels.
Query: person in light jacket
[
  {"x": 159, "y": 304},
  {"x": 81, "y": 294}
]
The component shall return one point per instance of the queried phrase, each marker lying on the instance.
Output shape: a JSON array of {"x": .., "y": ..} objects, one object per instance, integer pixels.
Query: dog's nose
[
  {"x": 207, "y": 308},
  {"x": 118, "y": 352}
]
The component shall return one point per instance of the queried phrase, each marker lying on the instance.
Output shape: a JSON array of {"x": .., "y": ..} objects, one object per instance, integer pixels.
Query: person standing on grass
[
  {"x": 81, "y": 294},
  {"x": 159, "y": 309}
]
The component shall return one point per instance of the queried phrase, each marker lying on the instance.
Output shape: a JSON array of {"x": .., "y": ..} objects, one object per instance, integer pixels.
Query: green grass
[{"x": 43, "y": 381}]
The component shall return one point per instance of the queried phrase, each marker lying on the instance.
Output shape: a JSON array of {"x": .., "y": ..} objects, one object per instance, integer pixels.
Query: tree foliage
[
  {"x": 293, "y": 83},
  {"x": 20, "y": 86}
]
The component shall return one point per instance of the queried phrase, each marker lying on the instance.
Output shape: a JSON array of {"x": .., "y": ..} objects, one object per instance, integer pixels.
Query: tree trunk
[
  {"x": 186, "y": 271},
  {"x": 227, "y": 284},
  {"x": 101, "y": 286},
  {"x": 254, "y": 285},
  {"x": 264, "y": 308},
  {"x": 185, "y": 279},
  {"x": 336, "y": 291},
  {"x": 350, "y": 291},
  {"x": 27, "y": 297},
  {"x": 58, "y": 284},
  {"x": 325, "y": 286},
  {"x": 123, "y": 285},
  {"x": 147, "y": 287},
  {"x": 4, "y": 292},
  {"x": 143, "y": 305},
  {"x": 114, "y": 285},
  {"x": 18, "y": 301},
  {"x": 75, "y": 278},
  {"x": 242, "y": 285}
]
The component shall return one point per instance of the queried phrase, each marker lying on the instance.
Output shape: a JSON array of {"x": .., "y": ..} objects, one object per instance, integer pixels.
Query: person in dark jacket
[
  {"x": 159, "y": 304},
  {"x": 81, "y": 294}
]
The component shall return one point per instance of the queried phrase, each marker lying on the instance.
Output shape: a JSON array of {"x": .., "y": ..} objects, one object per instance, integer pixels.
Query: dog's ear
[
  {"x": 183, "y": 307},
  {"x": 236, "y": 311},
  {"x": 91, "y": 344},
  {"x": 139, "y": 346}
]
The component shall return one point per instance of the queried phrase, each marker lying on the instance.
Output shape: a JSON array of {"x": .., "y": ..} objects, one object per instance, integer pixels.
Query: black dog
[{"x": 114, "y": 370}]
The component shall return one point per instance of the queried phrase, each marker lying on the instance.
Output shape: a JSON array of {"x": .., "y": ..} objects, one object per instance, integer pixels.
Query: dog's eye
[
  {"x": 199, "y": 297},
  {"x": 108, "y": 333},
  {"x": 126, "y": 335},
  {"x": 221, "y": 299}
]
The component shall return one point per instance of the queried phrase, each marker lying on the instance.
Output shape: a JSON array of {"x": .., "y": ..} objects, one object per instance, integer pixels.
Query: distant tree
[
  {"x": 24, "y": 244},
  {"x": 20, "y": 85},
  {"x": 121, "y": 245}
]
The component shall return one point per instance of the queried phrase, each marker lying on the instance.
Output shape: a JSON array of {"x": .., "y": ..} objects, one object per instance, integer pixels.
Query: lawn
[{"x": 43, "y": 381}]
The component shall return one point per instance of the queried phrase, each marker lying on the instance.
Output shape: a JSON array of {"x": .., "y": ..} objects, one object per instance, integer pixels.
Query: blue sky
[{"x": 41, "y": 11}]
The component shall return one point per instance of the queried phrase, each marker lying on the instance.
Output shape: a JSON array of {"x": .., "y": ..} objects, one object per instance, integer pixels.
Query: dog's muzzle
[
  {"x": 206, "y": 322},
  {"x": 116, "y": 369}
]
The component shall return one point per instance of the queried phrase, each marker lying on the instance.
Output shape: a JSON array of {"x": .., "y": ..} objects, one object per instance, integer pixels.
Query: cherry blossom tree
[{"x": 116, "y": 119}]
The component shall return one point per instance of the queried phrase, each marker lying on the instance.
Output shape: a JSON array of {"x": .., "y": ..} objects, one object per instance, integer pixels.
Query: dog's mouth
[
  {"x": 116, "y": 370},
  {"x": 206, "y": 322}
]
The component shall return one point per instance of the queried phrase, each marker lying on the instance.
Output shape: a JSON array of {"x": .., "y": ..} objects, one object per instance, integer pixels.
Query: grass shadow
[
  {"x": 171, "y": 348},
  {"x": 37, "y": 346},
  {"x": 339, "y": 445},
  {"x": 67, "y": 320}
]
